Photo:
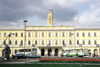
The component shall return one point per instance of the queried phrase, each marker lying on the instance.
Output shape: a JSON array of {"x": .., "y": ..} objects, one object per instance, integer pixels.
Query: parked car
[
  {"x": 31, "y": 55},
  {"x": 19, "y": 56}
]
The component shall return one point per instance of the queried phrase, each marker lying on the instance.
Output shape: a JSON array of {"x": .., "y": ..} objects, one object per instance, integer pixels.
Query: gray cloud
[{"x": 16, "y": 10}]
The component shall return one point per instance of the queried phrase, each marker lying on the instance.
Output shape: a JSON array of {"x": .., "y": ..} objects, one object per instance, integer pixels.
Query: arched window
[
  {"x": 10, "y": 42},
  {"x": 29, "y": 42},
  {"x": 56, "y": 42},
  {"x": 95, "y": 42},
  {"x": 21, "y": 42},
  {"x": 15, "y": 42},
  {"x": 36, "y": 42},
  {"x": 83, "y": 42},
  {"x": 77, "y": 42},
  {"x": 42, "y": 42},
  {"x": 70, "y": 42},
  {"x": 89, "y": 42},
  {"x": 63, "y": 42}
]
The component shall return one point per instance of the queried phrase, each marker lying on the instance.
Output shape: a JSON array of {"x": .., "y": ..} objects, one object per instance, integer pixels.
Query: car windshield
[{"x": 19, "y": 54}]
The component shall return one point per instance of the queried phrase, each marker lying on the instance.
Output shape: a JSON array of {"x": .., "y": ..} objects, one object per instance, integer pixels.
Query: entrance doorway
[
  {"x": 95, "y": 51},
  {"x": 49, "y": 52},
  {"x": 42, "y": 52},
  {"x": 56, "y": 52}
]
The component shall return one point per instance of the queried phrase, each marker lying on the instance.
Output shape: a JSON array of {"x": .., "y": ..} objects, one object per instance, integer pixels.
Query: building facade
[{"x": 51, "y": 39}]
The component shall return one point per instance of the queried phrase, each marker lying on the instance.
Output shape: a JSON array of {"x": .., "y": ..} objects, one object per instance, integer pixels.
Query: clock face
[{"x": 50, "y": 14}]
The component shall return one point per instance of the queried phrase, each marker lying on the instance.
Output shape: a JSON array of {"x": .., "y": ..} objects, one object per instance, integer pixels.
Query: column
[
  {"x": 46, "y": 52},
  {"x": 59, "y": 53},
  {"x": 52, "y": 52},
  {"x": 39, "y": 52},
  {"x": 92, "y": 52}
]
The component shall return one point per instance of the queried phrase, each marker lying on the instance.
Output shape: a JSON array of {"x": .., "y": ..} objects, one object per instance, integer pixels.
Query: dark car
[
  {"x": 19, "y": 56},
  {"x": 33, "y": 56}
]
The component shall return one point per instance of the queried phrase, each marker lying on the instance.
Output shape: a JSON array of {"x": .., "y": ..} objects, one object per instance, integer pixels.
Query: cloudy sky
[{"x": 65, "y": 12}]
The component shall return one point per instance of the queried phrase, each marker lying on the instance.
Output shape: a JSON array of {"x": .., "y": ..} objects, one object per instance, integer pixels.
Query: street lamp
[{"x": 25, "y": 35}]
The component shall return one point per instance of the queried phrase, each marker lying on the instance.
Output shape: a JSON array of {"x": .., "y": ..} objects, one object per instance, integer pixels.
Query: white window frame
[
  {"x": 36, "y": 33},
  {"x": 43, "y": 41},
  {"x": 88, "y": 34},
  {"x": 84, "y": 42},
  {"x": 23, "y": 42},
  {"x": 15, "y": 34},
  {"x": 63, "y": 33},
  {"x": 82, "y": 34},
  {"x": 95, "y": 34},
  {"x": 50, "y": 41},
  {"x": 69, "y": 42},
  {"x": 90, "y": 42},
  {"x": 5, "y": 34},
  {"x": 56, "y": 33},
  {"x": 37, "y": 42},
  {"x": 50, "y": 34},
  {"x": 94, "y": 42},
  {"x": 43, "y": 34},
  {"x": 62, "y": 41},
  {"x": 30, "y": 42},
  {"x": 11, "y": 43},
  {"x": 78, "y": 34},
  {"x": 17, "y": 43},
  {"x": 28, "y": 34},
  {"x": 21, "y": 34},
  {"x": 76, "y": 42}
]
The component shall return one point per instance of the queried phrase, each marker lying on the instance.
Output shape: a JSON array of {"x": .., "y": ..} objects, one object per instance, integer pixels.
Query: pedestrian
[{"x": 94, "y": 54}]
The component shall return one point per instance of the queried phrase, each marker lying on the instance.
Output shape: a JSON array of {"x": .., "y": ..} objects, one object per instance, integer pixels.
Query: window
[
  {"x": 0, "y": 34},
  {"x": 4, "y": 42},
  {"x": 4, "y": 34},
  {"x": 89, "y": 42},
  {"x": 56, "y": 34},
  {"x": 29, "y": 34},
  {"x": 95, "y": 42},
  {"x": 50, "y": 42},
  {"x": 21, "y": 34},
  {"x": 77, "y": 34},
  {"x": 42, "y": 34},
  {"x": 83, "y": 42},
  {"x": 15, "y": 42},
  {"x": 15, "y": 51},
  {"x": 21, "y": 42},
  {"x": 94, "y": 34},
  {"x": 16, "y": 34},
  {"x": 77, "y": 42},
  {"x": 89, "y": 34},
  {"x": 69, "y": 34},
  {"x": 56, "y": 42},
  {"x": 63, "y": 42},
  {"x": 83, "y": 34},
  {"x": 35, "y": 34},
  {"x": 10, "y": 42},
  {"x": 29, "y": 42},
  {"x": 49, "y": 34},
  {"x": 42, "y": 42},
  {"x": 70, "y": 42},
  {"x": 63, "y": 34},
  {"x": 35, "y": 42}
]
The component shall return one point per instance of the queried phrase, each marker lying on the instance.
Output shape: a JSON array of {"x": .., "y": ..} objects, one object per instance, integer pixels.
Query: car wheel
[{"x": 15, "y": 57}]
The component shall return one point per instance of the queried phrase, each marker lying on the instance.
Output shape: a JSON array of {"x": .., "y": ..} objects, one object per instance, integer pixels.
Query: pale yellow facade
[{"x": 56, "y": 36}]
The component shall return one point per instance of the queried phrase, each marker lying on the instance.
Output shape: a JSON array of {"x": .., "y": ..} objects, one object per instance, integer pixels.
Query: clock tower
[{"x": 50, "y": 18}]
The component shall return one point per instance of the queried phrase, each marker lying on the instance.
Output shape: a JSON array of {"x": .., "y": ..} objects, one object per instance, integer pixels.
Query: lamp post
[{"x": 24, "y": 35}]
